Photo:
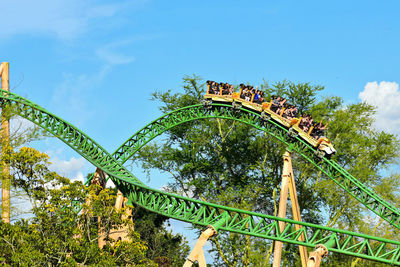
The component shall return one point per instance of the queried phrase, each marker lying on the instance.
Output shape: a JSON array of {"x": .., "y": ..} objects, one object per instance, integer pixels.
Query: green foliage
[
  {"x": 56, "y": 234},
  {"x": 164, "y": 248},
  {"x": 21, "y": 133},
  {"x": 229, "y": 163}
]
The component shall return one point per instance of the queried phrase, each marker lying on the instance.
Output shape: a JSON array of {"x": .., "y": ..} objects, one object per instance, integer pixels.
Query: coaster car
[{"x": 323, "y": 145}]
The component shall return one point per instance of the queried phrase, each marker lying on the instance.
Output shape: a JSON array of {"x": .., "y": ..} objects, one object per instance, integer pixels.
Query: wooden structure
[
  {"x": 197, "y": 253},
  {"x": 5, "y": 141},
  {"x": 120, "y": 202},
  {"x": 288, "y": 186}
]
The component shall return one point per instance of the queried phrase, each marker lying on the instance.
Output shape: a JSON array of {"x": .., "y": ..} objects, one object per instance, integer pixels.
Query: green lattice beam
[
  {"x": 329, "y": 167},
  {"x": 265, "y": 226},
  {"x": 67, "y": 133},
  {"x": 204, "y": 213}
]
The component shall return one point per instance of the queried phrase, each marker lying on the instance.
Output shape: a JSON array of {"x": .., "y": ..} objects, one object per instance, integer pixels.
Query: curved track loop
[
  {"x": 204, "y": 213},
  {"x": 340, "y": 176},
  {"x": 67, "y": 133}
]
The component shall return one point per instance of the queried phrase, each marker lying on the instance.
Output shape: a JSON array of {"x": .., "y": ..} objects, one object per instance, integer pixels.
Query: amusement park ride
[{"x": 215, "y": 217}]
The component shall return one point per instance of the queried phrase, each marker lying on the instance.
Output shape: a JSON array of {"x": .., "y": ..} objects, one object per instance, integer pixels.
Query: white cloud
[
  {"x": 64, "y": 19},
  {"x": 72, "y": 168},
  {"x": 110, "y": 56},
  {"x": 18, "y": 124},
  {"x": 79, "y": 177},
  {"x": 386, "y": 97}
]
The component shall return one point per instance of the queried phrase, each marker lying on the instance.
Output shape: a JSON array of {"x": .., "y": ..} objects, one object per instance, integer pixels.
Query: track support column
[
  {"x": 321, "y": 251},
  {"x": 288, "y": 186},
  {"x": 197, "y": 253},
  {"x": 316, "y": 256},
  {"x": 5, "y": 142},
  {"x": 282, "y": 208}
]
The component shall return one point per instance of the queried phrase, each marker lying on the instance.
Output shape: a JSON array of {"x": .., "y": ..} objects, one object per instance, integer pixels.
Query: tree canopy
[
  {"x": 232, "y": 164},
  {"x": 59, "y": 232}
]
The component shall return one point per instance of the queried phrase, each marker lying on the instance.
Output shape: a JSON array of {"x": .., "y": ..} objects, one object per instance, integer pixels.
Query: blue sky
[{"x": 95, "y": 63}]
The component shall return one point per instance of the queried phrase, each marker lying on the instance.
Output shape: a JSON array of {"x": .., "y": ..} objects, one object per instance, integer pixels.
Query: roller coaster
[
  {"x": 322, "y": 144},
  {"x": 224, "y": 218}
]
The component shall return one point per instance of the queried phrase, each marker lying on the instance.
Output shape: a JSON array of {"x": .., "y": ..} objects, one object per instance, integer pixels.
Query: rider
[
  {"x": 319, "y": 130},
  {"x": 282, "y": 101}
]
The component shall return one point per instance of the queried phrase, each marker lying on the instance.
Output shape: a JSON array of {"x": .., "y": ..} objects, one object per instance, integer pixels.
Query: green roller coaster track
[{"x": 223, "y": 218}]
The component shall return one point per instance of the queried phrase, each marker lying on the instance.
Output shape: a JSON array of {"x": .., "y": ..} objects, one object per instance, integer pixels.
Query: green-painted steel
[
  {"x": 67, "y": 133},
  {"x": 340, "y": 176},
  {"x": 204, "y": 213},
  {"x": 265, "y": 226}
]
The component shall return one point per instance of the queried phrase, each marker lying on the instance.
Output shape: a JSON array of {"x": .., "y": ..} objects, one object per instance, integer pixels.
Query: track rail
[
  {"x": 204, "y": 213},
  {"x": 329, "y": 167},
  {"x": 69, "y": 134}
]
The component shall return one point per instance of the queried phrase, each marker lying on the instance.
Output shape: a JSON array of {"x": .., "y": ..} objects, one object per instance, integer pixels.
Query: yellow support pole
[
  {"x": 282, "y": 209},
  {"x": 197, "y": 253},
  {"x": 5, "y": 138},
  {"x": 296, "y": 210},
  {"x": 316, "y": 256},
  {"x": 288, "y": 184}
]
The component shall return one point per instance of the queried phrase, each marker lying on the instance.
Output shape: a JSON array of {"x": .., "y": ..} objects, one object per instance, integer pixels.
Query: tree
[
  {"x": 232, "y": 164},
  {"x": 164, "y": 247},
  {"x": 21, "y": 133},
  {"x": 57, "y": 234},
  {"x": 34, "y": 183}
]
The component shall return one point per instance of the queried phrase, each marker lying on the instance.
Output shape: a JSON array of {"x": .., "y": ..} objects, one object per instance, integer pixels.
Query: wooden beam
[
  {"x": 282, "y": 208},
  {"x": 5, "y": 140},
  {"x": 288, "y": 184},
  {"x": 316, "y": 256},
  {"x": 197, "y": 253},
  {"x": 296, "y": 211}
]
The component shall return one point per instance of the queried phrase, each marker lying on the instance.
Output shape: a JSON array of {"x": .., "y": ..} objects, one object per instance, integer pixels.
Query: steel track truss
[
  {"x": 329, "y": 167},
  {"x": 265, "y": 226},
  {"x": 204, "y": 213},
  {"x": 67, "y": 133}
]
